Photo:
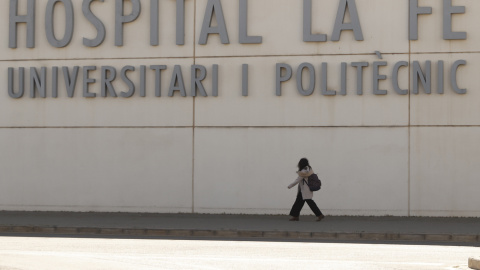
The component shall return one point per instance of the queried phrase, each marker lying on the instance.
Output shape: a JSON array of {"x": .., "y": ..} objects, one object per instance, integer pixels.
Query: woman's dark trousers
[{"x": 299, "y": 202}]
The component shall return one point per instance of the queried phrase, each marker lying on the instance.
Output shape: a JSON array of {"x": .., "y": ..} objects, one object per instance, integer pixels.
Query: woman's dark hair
[{"x": 303, "y": 163}]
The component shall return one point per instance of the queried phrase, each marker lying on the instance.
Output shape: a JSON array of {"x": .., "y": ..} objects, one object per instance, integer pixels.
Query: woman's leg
[
  {"x": 314, "y": 208},
  {"x": 297, "y": 206}
]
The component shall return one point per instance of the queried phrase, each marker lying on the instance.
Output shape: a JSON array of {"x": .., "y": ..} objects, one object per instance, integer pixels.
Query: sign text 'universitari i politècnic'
[{"x": 36, "y": 77}]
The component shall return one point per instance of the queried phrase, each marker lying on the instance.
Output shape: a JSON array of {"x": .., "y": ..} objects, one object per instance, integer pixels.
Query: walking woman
[{"x": 304, "y": 194}]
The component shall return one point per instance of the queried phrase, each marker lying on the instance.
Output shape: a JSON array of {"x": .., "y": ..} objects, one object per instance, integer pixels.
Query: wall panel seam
[
  {"x": 232, "y": 56},
  {"x": 409, "y": 126},
  {"x": 236, "y": 127},
  {"x": 193, "y": 104}
]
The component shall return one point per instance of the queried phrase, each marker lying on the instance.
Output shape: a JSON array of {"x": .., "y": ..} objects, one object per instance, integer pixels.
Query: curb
[
  {"x": 474, "y": 263},
  {"x": 243, "y": 234}
]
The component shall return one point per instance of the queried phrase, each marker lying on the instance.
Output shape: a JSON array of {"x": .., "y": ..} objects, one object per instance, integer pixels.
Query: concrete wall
[{"x": 376, "y": 154}]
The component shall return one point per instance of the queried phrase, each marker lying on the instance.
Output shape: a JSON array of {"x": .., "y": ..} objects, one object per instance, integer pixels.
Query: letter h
[{"x": 14, "y": 19}]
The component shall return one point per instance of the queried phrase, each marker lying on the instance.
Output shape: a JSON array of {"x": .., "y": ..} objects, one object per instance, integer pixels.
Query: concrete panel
[
  {"x": 430, "y": 28},
  {"x": 449, "y": 108},
  {"x": 280, "y": 23},
  {"x": 136, "y": 33},
  {"x": 364, "y": 171},
  {"x": 137, "y": 170},
  {"x": 99, "y": 111},
  {"x": 444, "y": 171},
  {"x": 262, "y": 107}
]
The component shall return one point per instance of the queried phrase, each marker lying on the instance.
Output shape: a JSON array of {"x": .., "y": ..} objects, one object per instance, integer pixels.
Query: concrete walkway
[
  {"x": 459, "y": 230},
  {"x": 465, "y": 230}
]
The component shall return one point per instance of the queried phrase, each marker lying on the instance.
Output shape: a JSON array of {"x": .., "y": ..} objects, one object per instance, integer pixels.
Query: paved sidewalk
[{"x": 464, "y": 230}]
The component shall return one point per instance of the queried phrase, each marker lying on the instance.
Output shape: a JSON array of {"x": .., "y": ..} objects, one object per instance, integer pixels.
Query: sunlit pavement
[{"x": 37, "y": 253}]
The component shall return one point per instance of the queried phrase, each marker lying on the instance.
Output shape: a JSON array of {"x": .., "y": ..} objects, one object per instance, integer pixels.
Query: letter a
[
  {"x": 214, "y": 6},
  {"x": 353, "y": 25}
]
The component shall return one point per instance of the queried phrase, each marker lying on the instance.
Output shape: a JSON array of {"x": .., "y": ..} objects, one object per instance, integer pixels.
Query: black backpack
[{"x": 314, "y": 182}]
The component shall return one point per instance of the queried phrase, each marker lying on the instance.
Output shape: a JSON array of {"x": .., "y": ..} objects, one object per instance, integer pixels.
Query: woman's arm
[{"x": 295, "y": 182}]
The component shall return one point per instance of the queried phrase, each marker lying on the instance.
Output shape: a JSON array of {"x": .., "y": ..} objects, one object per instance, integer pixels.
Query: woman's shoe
[
  {"x": 319, "y": 218},
  {"x": 293, "y": 219}
]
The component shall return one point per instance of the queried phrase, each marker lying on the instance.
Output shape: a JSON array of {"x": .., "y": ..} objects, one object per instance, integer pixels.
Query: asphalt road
[{"x": 25, "y": 253}]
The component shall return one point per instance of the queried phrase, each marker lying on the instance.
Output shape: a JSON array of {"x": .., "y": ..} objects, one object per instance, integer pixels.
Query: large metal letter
[
  {"x": 180, "y": 22},
  {"x": 415, "y": 10},
  {"x": 70, "y": 80},
  {"x": 377, "y": 77},
  {"x": 343, "y": 79},
  {"x": 324, "y": 82},
  {"x": 14, "y": 19},
  {"x": 158, "y": 78},
  {"x": 215, "y": 80},
  {"x": 354, "y": 25},
  {"x": 279, "y": 78},
  {"x": 426, "y": 79},
  {"x": 154, "y": 21},
  {"x": 87, "y": 12},
  {"x": 154, "y": 39},
  {"x": 360, "y": 66},
  {"x": 120, "y": 19},
  {"x": 177, "y": 83},
  {"x": 311, "y": 87},
  {"x": 214, "y": 6},
  {"x": 38, "y": 82},
  {"x": 453, "y": 77},
  {"x": 243, "y": 36},
  {"x": 440, "y": 77},
  {"x": 448, "y": 10},
  {"x": 143, "y": 80},
  {"x": 54, "y": 82},
  {"x": 21, "y": 83},
  {"x": 245, "y": 80},
  {"x": 196, "y": 81},
  {"x": 108, "y": 76},
  {"x": 128, "y": 82},
  {"x": 307, "y": 24},
  {"x": 87, "y": 80},
  {"x": 69, "y": 19},
  {"x": 396, "y": 68}
]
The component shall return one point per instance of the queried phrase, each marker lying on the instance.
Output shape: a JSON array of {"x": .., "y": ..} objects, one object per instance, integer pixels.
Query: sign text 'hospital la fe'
[{"x": 32, "y": 81}]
